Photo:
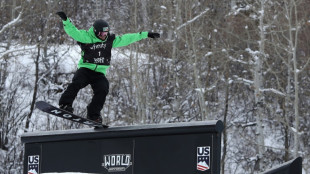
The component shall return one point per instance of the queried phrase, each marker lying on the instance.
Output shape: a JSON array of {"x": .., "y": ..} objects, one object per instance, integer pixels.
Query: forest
[{"x": 245, "y": 62}]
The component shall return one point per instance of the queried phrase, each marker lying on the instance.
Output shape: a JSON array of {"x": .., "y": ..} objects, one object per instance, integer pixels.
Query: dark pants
[{"x": 81, "y": 79}]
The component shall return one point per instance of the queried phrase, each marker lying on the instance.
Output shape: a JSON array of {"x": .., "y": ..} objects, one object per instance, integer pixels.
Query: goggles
[{"x": 104, "y": 32}]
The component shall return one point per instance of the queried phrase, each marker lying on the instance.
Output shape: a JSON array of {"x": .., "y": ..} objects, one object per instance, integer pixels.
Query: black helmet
[{"x": 100, "y": 26}]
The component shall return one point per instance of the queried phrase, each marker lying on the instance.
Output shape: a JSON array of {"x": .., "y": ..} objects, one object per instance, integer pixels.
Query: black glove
[
  {"x": 153, "y": 35},
  {"x": 62, "y": 15}
]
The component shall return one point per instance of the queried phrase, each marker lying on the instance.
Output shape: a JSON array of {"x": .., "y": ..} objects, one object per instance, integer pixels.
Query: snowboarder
[{"x": 96, "y": 45}]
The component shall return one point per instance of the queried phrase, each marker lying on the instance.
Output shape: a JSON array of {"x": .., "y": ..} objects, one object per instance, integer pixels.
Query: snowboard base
[{"x": 50, "y": 109}]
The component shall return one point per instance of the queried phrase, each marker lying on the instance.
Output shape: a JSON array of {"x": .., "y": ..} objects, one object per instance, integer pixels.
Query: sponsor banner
[{"x": 116, "y": 162}]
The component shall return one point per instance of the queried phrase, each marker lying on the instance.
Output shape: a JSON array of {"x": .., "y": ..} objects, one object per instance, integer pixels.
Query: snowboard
[{"x": 50, "y": 109}]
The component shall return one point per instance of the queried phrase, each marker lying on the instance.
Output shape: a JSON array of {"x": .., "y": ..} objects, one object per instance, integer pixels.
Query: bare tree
[
  {"x": 258, "y": 83},
  {"x": 294, "y": 27}
]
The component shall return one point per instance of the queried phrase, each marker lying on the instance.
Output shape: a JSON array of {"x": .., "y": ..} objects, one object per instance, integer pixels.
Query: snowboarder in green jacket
[{"x": 96, "y": 45}]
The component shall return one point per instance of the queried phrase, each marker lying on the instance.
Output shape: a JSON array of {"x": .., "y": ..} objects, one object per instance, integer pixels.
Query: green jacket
[{"x": 89, "y": 36}]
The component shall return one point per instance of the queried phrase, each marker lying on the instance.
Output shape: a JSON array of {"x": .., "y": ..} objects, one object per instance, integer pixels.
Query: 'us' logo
[
  {"x": 33, "y": 164},
  {"x": 203, "y": 158}
]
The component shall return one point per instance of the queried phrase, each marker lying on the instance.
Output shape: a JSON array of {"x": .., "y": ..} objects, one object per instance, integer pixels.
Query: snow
[
  {"x": 245, "y": 81},
  {"x": 166, "y": 107},
  {"x": 295, "y": 131},
  {"x": 272, "y": 141},
  {"x": 236, "y": 10},
  {"x": 13, "y": 22},
  {"x": 16, "y": 49},
  {"x": 202, "y": 90},
  {"x": 249, "y": 124},
  {"x": 163, "y": 7},
  {"x": 273, "y": 91},
  {"x": 250, "y": 51},
  {"x": 237, "y": 60},
  {"x": 194, "y": 19},
  {"x": 208, "y": 54}
]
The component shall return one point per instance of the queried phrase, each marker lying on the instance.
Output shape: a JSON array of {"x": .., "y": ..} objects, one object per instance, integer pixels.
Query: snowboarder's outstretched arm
[
  {"x": 78, "y": 35},
  {"x": 127, "y": 39}
]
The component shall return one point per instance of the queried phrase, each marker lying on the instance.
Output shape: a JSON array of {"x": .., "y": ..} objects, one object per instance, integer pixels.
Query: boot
[
  {"x": 98, "y": 119},
  {"x": 66, "y": 108}
]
